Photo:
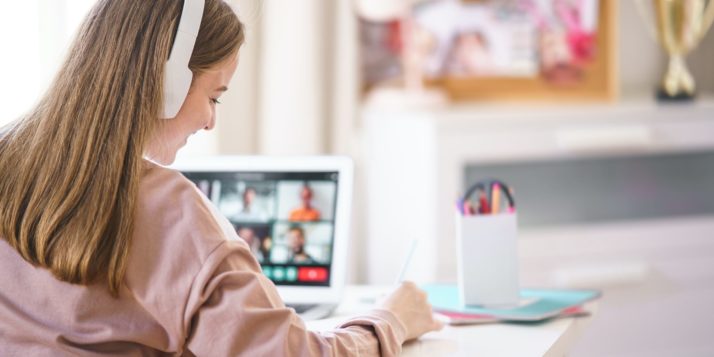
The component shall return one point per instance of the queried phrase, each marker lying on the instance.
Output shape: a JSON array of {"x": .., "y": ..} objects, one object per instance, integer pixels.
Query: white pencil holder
[{"x": 487, "y": 259}]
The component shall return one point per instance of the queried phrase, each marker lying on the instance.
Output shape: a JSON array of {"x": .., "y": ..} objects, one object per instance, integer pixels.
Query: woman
[{"x": 104, "y": 252}]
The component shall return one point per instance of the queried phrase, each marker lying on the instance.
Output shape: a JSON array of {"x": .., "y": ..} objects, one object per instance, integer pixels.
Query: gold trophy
[{"x": 680, "y": 25}]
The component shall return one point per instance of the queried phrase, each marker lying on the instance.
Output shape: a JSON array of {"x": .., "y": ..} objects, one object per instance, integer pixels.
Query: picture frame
[
  {"x": 470, "y": 51},
  {"x": 598, "y": 82}
]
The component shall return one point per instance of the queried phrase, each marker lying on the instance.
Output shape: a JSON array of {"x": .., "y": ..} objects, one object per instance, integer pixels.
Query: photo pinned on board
[{"x": 553, "y": 39}]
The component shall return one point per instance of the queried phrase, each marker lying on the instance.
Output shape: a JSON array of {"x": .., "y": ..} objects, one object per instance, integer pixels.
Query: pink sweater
[{"x": 192, "y": 288}]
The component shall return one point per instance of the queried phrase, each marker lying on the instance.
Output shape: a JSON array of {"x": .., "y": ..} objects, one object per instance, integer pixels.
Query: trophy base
[{"x": 663, "y": 96}]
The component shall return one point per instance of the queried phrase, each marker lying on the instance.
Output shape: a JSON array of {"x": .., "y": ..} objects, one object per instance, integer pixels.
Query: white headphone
[{"x": 177, "y": 75}]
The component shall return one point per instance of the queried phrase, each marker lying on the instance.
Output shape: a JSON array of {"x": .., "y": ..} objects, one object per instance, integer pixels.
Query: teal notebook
[{"x": 536, "y": 304}]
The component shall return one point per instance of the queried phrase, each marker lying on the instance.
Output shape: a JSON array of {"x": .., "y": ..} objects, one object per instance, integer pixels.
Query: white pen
[
  {"x": 400, "y": 277},
  {"x": 405, "y": 265}
]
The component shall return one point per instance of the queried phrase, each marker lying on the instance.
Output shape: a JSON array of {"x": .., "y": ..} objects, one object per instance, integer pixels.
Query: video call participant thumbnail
[
  {"x": 306, "y": 212},
  {"x": 296, "y": 243}
]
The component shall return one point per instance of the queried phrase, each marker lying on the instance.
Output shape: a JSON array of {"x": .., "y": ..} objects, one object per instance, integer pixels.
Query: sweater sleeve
[{"x": 233, "y": 309}]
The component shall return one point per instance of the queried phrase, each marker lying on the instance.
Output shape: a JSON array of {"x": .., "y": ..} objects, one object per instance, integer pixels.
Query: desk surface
[{"x": 552, "y": 338}]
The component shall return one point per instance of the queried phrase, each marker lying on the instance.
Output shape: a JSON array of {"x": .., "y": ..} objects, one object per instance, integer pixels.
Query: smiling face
[{"x": 197, "y": 112}]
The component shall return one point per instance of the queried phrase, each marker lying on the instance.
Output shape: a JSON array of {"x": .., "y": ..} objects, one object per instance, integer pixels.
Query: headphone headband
[{"x": 177, "y": 75}]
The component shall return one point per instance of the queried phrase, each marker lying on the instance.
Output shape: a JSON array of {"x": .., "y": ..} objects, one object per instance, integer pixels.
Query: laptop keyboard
[{"x": 300, "y": 308}]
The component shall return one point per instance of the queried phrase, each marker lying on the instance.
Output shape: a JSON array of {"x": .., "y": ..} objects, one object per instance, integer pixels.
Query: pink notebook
[{"x": 460, "y": 318}]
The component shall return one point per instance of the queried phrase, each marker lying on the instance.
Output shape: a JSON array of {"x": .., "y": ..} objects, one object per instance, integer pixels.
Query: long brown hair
[{"x": 70, "y": 168}]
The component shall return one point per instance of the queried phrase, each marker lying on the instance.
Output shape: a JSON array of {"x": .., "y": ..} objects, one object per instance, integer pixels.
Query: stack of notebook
[{"x": 535, "y": 305}]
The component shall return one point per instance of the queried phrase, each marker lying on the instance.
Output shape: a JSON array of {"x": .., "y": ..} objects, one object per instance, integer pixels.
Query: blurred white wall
[{"x": 34, "y": 36}]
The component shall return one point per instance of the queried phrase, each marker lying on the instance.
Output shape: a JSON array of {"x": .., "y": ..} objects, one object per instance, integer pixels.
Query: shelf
[{"x": 457, "y": 116}]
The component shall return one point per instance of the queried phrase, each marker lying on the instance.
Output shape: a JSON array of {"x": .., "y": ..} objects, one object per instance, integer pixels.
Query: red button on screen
[{"x": 312, "y": 274}]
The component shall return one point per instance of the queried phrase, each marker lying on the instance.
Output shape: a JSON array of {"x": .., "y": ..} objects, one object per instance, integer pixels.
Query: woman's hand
[{"x": 410, "y": 305}]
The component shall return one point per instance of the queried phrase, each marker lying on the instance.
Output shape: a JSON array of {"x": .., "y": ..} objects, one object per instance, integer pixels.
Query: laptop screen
[{"x": 287, "y": 219}]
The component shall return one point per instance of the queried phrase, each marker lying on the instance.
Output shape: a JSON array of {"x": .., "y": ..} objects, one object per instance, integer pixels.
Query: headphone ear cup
[
  {"x": 177, "y": 82},
  {"x": 177, "y": 75}
]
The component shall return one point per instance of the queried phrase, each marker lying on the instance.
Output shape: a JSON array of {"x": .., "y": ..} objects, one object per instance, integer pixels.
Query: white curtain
[{"x": 296, "y": 88}]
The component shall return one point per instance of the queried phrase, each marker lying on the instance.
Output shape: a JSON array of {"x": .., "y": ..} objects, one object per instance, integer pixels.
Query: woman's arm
[{"x": 233, "y": 310}]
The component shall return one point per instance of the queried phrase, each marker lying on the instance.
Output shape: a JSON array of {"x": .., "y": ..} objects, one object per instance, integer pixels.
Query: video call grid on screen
[{"x": 267, "y": 211}]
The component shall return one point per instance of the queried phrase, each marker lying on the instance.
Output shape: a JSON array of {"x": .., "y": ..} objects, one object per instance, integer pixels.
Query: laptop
[{"x": 294, "y": 213}]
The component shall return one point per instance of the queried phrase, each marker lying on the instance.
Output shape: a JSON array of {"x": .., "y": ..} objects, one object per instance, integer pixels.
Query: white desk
[{"x": 553, "y": 338}]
